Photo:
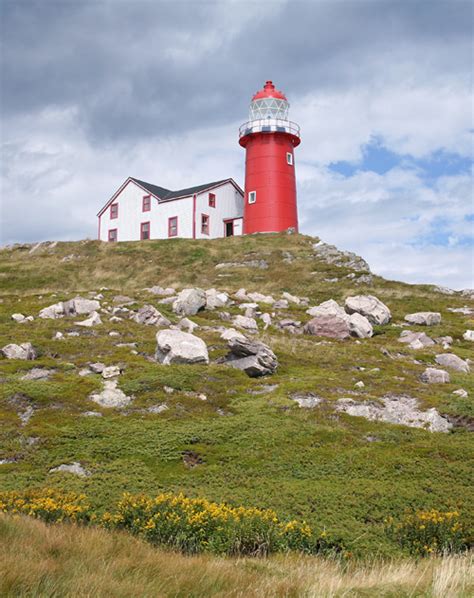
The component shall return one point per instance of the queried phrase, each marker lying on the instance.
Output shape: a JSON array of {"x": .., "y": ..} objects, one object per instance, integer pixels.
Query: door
[{"x": 229, "y": 228}]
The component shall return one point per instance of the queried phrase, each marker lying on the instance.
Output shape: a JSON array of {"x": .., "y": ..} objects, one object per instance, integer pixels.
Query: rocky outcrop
[
  {"x": 434, "y": 376},
  {"x": 424, "y": 318},
  {"x": 175, "y": 346},
  {"x": 189, "y": 302},
  {"x": 392, "y": 409},
  {"x": 251, "y": 356},
  {"x": 449, "y": 360},
  {"x": 25, "y": 351},
  {"x": 346, "y": 259},
  {"x": 369, "y": 306},
  {"x": 75, "y": 307}
]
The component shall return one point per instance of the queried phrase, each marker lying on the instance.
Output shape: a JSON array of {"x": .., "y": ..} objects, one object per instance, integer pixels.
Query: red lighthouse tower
[{"x": 269, "y": 139}]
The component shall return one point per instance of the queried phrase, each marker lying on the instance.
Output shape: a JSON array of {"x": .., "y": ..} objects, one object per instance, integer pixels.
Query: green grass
[{"x": 264, "y": 450}]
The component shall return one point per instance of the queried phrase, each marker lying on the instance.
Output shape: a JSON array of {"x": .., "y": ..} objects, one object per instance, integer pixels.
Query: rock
[
  {"x": 261, "y": 264},
  {"x": 267, "y": 320},
  {"x": 38, "y": 374},
  {"x": 331, "y": 255},
  {"x": 110, "y": 372},
  {"x": 253, "y": 357},
  {"x": 449, "y": 360},
  {"x": 84, "y": 372},
  {"x": 111, "y": 396},
  {"x": 52, "y": 312},
  {"x": 291, "y": 326},
  {"x": 264, "y": 389},
  {"x": 91, "y": 414},
  {"x": 175, "y": 346},
  {"x": 241, "y": 295},
  {"x": 150, "y": 316},
  {"x": 445, "y": 341},
  {"x": 369, "y": 306},
  {"x": 468, "y": 335},
  {"x": 396, "y": 410},
  {"x": 365, "y": 279},
  {"x": 114, "y": 333},
  {"x": 291, "y": 298},
  {"x": 245, "y": 322},
  {"x": 231, "y": 333},
  {"x": 259, "y": 298},
  {"x": 97, "y": 367},
  {"x": 306, "y": 400},
  {"x": 327, "y": 308},
  {"x": 158, "y": 408},
  {"x": 160, "y": 291},
  {"x": 94, "y": 320},
  {"x": 250, "y": 309},
  {"x": 434, "y": 376},
  {"x": 331, "y": 326},
  {"x": 189, "y": 302},
  {"x": 461, "y": 393},
  {"x": 74, "y": 468},
  {"x": 58, "y": 336},
  {"x": 424, "y": 318},
  {"x": 281, "y": 304},
  {"x": 443, "y": 290},
  {"x": 360, "y": 326},
  {"x": 24, "y": 351},
  {"x": 416, "y": 340},
  {"x": 18, "y": 318},
  {"x": 187, "y": 325},
  {"x": 359, "y": 384},
  {"x": 81, "y": 306},
  {"x": 469, "y": 293},
  {"x": 98, "y": 297},
  {"x": 466, "y": 311},
  {"x": 216, "y": 299},
  {"x": 123, "y": 300}
]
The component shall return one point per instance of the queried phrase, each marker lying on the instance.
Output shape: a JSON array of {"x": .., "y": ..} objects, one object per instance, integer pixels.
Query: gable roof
[{"x": 163, "y": 194}]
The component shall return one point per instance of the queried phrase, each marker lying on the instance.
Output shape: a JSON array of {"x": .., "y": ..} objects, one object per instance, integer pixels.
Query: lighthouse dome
[{"x": 269, "y": 103}]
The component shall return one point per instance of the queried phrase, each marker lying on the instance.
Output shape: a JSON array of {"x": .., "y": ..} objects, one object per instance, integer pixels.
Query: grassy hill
[{"x": 254, "y": 445}]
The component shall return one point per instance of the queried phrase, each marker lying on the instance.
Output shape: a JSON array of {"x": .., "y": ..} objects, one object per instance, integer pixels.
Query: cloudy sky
[{"x": 93, "y": 91}]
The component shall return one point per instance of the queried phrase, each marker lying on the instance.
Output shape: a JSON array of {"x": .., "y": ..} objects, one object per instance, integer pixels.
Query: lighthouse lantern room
[{"x": 269, "y": 139}]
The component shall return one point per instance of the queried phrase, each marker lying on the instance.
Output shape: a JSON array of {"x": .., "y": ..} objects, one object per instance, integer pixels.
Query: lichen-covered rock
[
  {"x": 424, "y": 318},
  {"x": 251, "y": 356},
  {"x": 434, "y": 376},
  {"x": 175, "y": 346},
  {"x": 25, "y": 351},
  {"x": 331, "y": 326},
  {"x": 189, "y": 302},
  {"x": 449, "y": 360},
  {"x": 369, "y": 306}
]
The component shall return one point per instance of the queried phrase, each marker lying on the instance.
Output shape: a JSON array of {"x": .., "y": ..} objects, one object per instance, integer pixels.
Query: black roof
[{"x": 163, "y": 193}]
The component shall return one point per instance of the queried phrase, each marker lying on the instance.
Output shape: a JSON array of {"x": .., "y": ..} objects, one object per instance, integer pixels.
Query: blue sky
[{"x": 382, "y": 90}]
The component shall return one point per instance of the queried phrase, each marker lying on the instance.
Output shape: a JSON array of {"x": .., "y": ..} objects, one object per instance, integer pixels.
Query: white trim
[
  {"x": 289, "y": 158},
  {"x": 252, "y": 196}
]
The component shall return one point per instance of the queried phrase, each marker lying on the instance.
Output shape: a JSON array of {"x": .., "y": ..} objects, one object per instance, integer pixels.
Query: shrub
[
  {"x": 430, "y": 532},
  {"x": 47, "y": 504}
]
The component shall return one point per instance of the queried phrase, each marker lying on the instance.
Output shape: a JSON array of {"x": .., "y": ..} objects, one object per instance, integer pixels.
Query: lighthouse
[{"x": 269, "y": 139}]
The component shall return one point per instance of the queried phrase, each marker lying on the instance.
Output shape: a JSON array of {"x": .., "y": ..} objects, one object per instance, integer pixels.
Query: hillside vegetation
[{"x": 222, "y": 435}]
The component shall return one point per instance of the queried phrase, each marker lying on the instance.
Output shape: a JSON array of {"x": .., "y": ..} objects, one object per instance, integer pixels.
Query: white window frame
[
  {"x": 252, "y": 196},
  {"x": 289, "y": 158}
]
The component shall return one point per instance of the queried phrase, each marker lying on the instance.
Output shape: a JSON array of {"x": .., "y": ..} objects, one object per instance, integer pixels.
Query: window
[
  {"x": 173, "y": 226},
  {"x": 112, "y": 235},
  {"x": 146, "y": 203},
  {"x": 212, "y": 200},
  {"x": 289, "y": 158},
  {"x": 113, "y": 211},
  {"x": 252, "y": 196},
  {"x": 204, "y": 224},
  {"x": 144, "y": 230}
]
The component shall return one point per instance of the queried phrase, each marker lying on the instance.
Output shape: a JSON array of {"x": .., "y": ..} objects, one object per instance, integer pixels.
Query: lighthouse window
[
  {"x": 212, "y": 200},
  {"x": 289, "y": 158},
  {"x": 204, "y": 224},
  {"x": 252, "y": 196}
]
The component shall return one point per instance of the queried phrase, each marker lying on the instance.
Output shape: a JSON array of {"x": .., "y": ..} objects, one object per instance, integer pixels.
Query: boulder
[
  {"x": 81, "y": 306},
  {"x": 112, "y": 371},
  {"x": 18, "y": 318},
  {"x": 461, "y": 393},
  {"x": 331, "y": 326},
  {"x": 74, "y": 468},
  {"x": 281, "y": 304},
  {"x": 468, "y": 335},
  {"x": 111, "y": 395},
  {"x": 416, "y": 340},
  {"x": 161, "y": 292},
  {"x": 241, "y": 295},
  {"x": 150, "y": 316},
  {"x": 24, "y": 351},
  {"x": 267, "y": 320},
  {"x": 94, "y": 320},
  {"x": 52, "y": 312},
  {"x": 291, "y": 326},
  {"x": 97, "y": 367},
  {"x": 175, "y": 346},
  {"x": 327, "y": 308},
  {"x": 245, "y": 322},
  {"x": 189, "y": 302},
  {"x": 187, "y": 325},
  {"x": 291, "y": 298},
  {"x": 253, "y": 357},
  {"x": 434, "y": 376},
  {"x": 369, "y": 306},
  {"x": 259, "y": 298},
  {"x": 231, "y": 333},
  {"x": 424, "y": 318},
  {"x": 216, "y": 299},
  {"x": 360, "y": 326},
  {"x": 449, "y": 360}
]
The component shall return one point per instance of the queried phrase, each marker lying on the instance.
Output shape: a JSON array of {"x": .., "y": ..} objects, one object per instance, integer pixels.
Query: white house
[{"x": 140, "y": 210}]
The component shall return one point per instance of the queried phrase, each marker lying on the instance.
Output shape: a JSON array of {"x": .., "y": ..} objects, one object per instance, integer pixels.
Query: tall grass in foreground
[{"x": 73, "y": 561}]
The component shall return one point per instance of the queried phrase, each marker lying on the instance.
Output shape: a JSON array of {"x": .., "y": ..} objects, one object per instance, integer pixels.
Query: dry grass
[{"x": 62, "y": 560}]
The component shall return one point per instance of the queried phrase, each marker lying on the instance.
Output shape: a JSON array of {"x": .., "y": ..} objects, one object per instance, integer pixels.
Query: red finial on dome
[{"x": 269, "y": 91}]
